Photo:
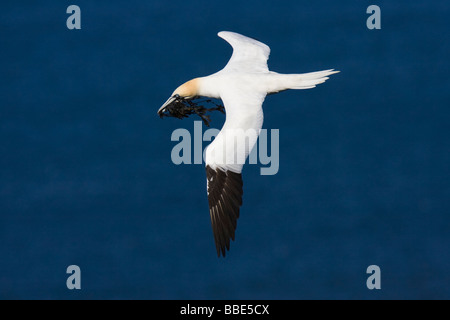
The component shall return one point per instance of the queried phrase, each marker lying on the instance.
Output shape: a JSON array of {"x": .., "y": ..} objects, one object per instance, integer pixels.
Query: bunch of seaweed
[{"x": 182, "y": 108}]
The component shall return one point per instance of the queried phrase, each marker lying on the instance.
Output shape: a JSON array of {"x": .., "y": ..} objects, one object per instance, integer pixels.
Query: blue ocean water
[{"x": 86, "y": 176}]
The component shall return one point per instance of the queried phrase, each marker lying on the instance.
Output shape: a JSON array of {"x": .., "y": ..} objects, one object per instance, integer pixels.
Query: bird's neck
[{"x": 209, "y": 87}]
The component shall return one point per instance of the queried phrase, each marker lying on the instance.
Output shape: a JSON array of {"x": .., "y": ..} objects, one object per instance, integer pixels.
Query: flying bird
[{"x": 242, "y": 85}]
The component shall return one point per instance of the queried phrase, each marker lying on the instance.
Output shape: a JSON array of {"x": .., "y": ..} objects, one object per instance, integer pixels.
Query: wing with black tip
[{"x": 225, "y": 198}]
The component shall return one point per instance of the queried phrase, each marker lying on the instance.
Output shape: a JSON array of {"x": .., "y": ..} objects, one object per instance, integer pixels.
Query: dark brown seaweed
[{"x": 182, "y": 108}]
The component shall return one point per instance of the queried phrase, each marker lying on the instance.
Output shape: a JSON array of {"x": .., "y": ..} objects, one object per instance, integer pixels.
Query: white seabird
[{"x": 242, "y": 85}]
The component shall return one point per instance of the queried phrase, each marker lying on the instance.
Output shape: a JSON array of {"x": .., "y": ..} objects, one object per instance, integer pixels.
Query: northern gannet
[{"x": 242, "y": 85}]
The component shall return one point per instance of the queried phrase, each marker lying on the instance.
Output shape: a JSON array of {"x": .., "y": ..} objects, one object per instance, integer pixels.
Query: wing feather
[
  {"x": 223, "y": 208},
  {"x": 249, "y": 55}
]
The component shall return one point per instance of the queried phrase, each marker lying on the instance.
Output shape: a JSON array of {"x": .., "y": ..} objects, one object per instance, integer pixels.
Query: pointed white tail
[{"x": 280, "y": 82}]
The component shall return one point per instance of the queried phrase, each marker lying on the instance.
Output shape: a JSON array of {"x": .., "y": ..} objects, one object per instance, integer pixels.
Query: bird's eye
[{"x": 177, "y": 96}]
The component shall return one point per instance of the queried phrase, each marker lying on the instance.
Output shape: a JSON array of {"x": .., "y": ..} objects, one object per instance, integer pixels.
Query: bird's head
[{"x": 188, "y": 90}]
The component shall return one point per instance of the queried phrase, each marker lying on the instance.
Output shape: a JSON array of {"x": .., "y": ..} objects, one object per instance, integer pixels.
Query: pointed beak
[{"x": 169, "y": 101}]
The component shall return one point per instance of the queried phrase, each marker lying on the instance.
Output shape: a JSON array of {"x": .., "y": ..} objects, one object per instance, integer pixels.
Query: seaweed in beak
[{"x": 178, "y": 107}]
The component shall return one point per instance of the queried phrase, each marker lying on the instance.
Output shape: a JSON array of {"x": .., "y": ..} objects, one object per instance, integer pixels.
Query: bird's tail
[{"x": 281, "y": 82}]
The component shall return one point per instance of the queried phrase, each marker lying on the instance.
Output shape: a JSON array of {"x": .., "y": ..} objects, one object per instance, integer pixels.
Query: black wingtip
[{"x": 225, "y": 198}]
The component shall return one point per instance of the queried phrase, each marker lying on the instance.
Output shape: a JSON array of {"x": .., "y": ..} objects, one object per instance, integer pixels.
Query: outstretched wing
[
  {"x": 225, "y": 198},
  {"x": 249, "y": 55},
  {"x": 225, "y": 157}
]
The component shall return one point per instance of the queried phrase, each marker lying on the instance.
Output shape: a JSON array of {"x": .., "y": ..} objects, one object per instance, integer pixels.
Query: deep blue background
[{"x": 86, "y": 176}]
